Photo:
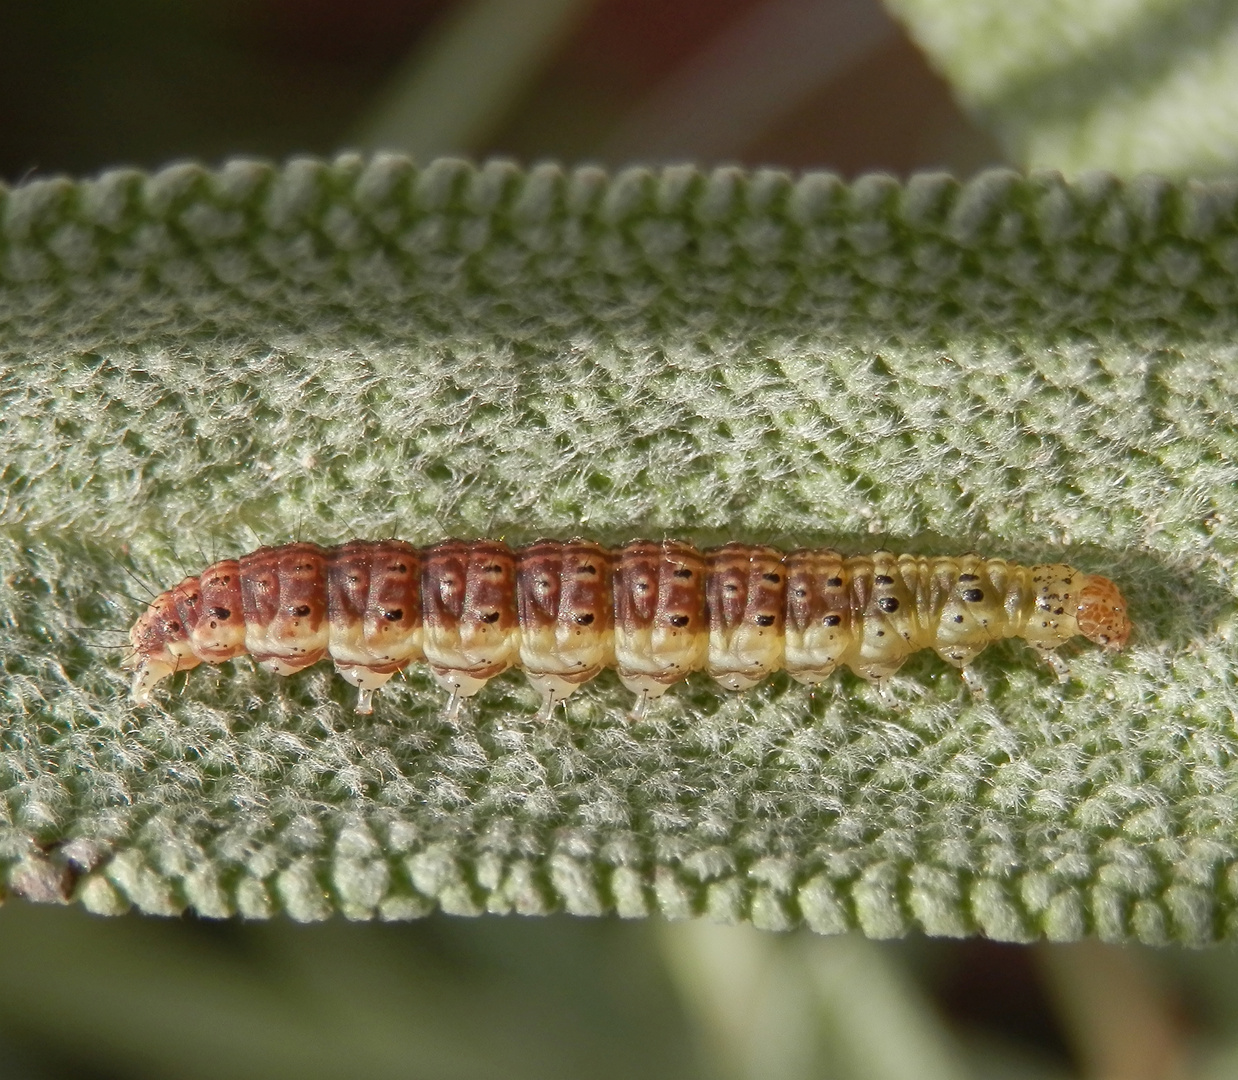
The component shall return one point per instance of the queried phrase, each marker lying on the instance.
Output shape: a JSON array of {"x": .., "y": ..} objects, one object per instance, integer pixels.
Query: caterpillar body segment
[
  {"x": 655, "y": 611},
  {"x": 564, "y": 597}
]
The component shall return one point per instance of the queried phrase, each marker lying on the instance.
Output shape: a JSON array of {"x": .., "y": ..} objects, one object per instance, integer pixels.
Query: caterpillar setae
[{"x": 655, "y": 611}]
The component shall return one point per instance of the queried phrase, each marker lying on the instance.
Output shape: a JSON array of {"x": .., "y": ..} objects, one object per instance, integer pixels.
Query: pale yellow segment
[
  {"x": 812, "y": 655},
  {"x": 880, "y": 642},
  {"x": 962, "y": 628},
  {"x": 365, "y": 644},
  {"x": 557, "y": 649},
  {"x": 374, "y": 641},
  {"x": 466, "y": 655},
  {"x": 901, "y": 604},
  {"x": 471, "y": 646},
  {"x": 1048, "y": 615},
  {"x": 353, "y": 658},
  {"x": 346, "y": 644},
  {"x": 557, "y": 659},
  {"x": 288, "y": 644},
  {"x": 181, "y": 654},
  {"x": 664, "y": 652},
  {"x": 260, "y": 641},
  {"x": 214, "y": 640},
  {"x": 390, "y": 643},
  {"x": 744, "y": 655},
  {"x": 652, "y": 658}
]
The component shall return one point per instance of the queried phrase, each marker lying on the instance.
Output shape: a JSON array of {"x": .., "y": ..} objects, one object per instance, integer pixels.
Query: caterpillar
[{"x": 562, "y": 611}]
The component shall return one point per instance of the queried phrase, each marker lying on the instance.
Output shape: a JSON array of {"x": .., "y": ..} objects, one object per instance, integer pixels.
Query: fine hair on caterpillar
[{"x": 562, "y": 611}]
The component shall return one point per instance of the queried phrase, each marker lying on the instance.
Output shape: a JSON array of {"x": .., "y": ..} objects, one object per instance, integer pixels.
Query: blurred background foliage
[{"x": 958, "y": 85}]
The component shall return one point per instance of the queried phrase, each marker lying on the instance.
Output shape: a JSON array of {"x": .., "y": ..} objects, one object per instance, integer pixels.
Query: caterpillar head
[{"x": 1101, "y": 614}]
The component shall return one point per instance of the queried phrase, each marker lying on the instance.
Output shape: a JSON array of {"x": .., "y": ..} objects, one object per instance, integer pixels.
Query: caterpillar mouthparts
[{"x": 562, "y": 611}]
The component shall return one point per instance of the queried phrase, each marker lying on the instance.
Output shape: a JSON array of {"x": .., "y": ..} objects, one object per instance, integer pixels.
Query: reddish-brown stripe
[
  {"x": 348, "y": 581},
  {"x": 568, "y": 583},
  {"x": 395, "y": 584},
  {"x": 817, "y": 591},
  {"x": 745, "y": 585},
  {"x": 465, "y": 583},
  {"x": 220, "y": 630},
  {"x": 659, "y": 584}
]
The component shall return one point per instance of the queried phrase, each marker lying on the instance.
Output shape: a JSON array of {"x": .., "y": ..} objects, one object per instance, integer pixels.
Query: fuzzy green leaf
[{"x": 194, "y": 361}]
